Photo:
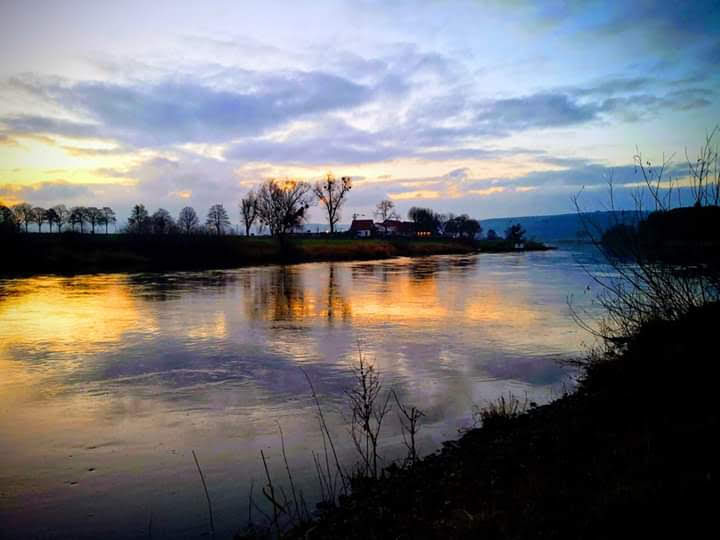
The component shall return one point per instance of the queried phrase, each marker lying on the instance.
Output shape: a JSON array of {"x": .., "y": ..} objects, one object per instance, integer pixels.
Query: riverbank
[
  {"x": 628, "y": 454},
  {"x": 67, "y": 253}
]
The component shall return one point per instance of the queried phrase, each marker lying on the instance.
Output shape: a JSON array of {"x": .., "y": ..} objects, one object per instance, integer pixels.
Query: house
[
  {"x": 394, "y": 227},
  {"x": 362, "y": 228}
]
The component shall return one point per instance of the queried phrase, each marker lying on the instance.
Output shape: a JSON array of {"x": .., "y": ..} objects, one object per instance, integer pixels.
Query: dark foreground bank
[
  {"x": 632, "y": 453},
  {"x": 70, "y": 253}
]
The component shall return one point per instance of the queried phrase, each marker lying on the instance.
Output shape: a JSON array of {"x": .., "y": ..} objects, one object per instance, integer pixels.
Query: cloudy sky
[{"x": 502, "y": 108}]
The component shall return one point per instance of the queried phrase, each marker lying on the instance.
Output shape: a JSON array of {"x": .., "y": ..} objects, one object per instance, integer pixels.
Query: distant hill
[
  {"x": 562, "y": 227},
  {"x": 557, "y": 228}
]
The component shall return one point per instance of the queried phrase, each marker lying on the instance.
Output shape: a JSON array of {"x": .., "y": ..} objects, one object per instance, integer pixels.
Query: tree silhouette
[
  {"x": 492, "y": 235},
  {"x": 331, "y": 193},
  {"x": 138, "y": 222},
  {"x": 51, "y": 217},
  {"x": 463, "y": 225},
  {"x": 162, "y": 222},
  {"x": 77, "y": 217},
  {"x": 515, "y": 234},
  {"x": 23, "y": 214},
  {"x": 386, "y": 210},
  {"x": 108, "y": 217},
  {"x": 283, "y": 205},
  {"x": 38, "y": 217},
  {"x": 217, "y": 218},
  {"x": 425, "y": 219},
  {"x": 8, "y": 223},
  {"x": 94, "y": 217},
  {"x": 60, "y": 216},
  {"x": 188, "y": 220},
  {"x": 249, "y": 210}
]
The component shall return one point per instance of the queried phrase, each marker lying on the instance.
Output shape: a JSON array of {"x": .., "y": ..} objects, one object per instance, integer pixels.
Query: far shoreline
[{"x": 71, "y": 254}]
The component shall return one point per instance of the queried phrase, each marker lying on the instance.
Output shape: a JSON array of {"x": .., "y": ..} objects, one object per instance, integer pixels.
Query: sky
[{"x": 495, "y": 109}]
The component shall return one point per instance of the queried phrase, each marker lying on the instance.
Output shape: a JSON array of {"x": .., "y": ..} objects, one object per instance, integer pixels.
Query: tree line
[
  {"x": 22, "y": 215},
  {"x": 278, "y": 205}
]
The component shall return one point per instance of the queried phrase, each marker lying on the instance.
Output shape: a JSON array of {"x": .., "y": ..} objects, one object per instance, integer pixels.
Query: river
[{"x": 108, "y": 382}]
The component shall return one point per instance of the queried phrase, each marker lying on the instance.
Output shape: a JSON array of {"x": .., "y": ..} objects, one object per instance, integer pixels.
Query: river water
[{"x": 108, "y": 382}]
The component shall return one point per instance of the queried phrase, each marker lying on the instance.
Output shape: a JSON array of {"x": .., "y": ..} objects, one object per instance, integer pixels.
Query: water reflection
[{"x": 127, "y": 373}]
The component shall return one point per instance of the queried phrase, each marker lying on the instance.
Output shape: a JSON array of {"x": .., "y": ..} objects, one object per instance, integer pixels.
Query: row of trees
[
  {"x": 462, "y": 226},
  {"x": 78, "y": 217},
  {"x": 161, "y": 221},
  {"x": 427, "y": 220},
  {"x": 282, "y": 205}
]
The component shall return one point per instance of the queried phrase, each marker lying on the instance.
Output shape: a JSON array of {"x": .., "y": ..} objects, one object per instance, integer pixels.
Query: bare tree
[
  {"x": 38, "y": 217},
  {"x": 283, "y": 205},
  {"x": 51, "y": 217},
  {"x": 650, "y": 282},
  {"x": 139, "y": 221},
  {"x": 94, "y": 217},
  {"x": 331, "y": 193},
  {"x": 705, "y": 173},
  {"x": 249, "y": 210},
  {"x": 162, "y": 222},
  {"x": 368, "y": 412},
  {"x": 23, "y": 214},
  {"x": 77, "y": 217},
  {"x": 108, "y": 217},
  {"x": 409, "y": 417},
  {"x": 188, "y": 220},
  {"x": 218, "y": 219},
  {"x": 426, "y": 221},
  {"x": 61, "y": 215},
  {"x": 386, "y": 210},
  {"x": 8, "y": 222}
]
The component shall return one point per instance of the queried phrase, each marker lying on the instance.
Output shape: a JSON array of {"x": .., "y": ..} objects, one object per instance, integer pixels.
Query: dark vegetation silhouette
[
  {"x": 249, "y": 210},
  {"x": 332, "y": 194},
  {"x": 188, "y": 221},
  {"x": 385, "y": 210},
  {"x": 628, "y": 453},
  {"x": 217, "y": 219},
  {"x": 515, "y": 234},
  {"x": 667, "y": 262},
  {"x": 280, "y": 206},
  {"x": 283, "y": 205}
]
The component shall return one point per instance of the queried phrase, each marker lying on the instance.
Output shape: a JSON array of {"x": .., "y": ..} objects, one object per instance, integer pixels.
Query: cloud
[
  {"x": 33, "y": 124},
  {"x": 486, "y": 191},
  {"x": 333, "y": 141},
  {"x": 46, "y": 193},
  {"x": 459, "y": 174},
  {"x": 183, "y": 111},
  {"x": 91, "y": 152},
  {"x": 534, "y": 111},
  {"x": 659, "y": 25},
  {"x": 6, "y": 140}
]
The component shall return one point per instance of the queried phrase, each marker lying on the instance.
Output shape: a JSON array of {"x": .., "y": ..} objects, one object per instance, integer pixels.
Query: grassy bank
[
  {"x": 628, "y": 454},
  {"x": 86, "y": 253}
]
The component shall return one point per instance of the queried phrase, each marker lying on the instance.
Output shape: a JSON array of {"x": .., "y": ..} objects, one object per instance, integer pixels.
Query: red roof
[
  {"x": 399, "y": 226},
  {"x": 362, "y": 225}
]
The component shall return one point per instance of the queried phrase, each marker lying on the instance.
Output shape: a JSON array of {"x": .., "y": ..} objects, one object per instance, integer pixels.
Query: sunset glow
[{"x": 489, "y": 108}]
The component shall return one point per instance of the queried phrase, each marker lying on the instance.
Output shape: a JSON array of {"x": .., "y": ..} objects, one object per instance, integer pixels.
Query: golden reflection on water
[
  {"x": 68, "y": 317},
  {"x": 67, "y": 313},
  {"x": 144, "y": 363}
]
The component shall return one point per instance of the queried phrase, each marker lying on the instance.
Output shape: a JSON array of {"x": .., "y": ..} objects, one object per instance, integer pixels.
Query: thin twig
[{"x": 207, "y": 495}]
